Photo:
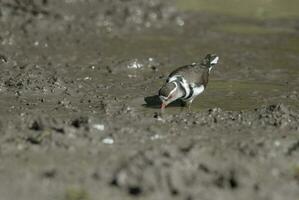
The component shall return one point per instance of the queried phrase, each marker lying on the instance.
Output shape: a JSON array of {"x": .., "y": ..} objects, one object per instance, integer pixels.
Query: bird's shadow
[{"x": 155, "y": 102}]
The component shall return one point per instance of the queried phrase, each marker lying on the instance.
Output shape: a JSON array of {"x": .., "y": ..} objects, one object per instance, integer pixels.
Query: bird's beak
[{"x": 163, "y": 106}]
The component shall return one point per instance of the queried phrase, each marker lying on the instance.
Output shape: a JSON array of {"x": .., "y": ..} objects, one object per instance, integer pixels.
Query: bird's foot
[{"x": 186, "y": 105}]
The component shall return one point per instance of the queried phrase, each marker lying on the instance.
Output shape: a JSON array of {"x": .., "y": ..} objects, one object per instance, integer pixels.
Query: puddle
[
  {"x": 251, "y": 9},
  {"x": 272, "y": 65},
  {"x": 234, "y": 96},
  {"x": 251, "y": 29},
  {"x": 238, "y": 95}
]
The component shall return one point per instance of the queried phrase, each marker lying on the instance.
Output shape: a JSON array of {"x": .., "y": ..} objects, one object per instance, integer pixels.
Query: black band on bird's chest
[{"x": 190, "y": 93}]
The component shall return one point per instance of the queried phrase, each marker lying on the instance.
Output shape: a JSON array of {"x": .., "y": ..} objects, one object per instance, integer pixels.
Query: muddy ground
[{"x": 80, "y": 120}]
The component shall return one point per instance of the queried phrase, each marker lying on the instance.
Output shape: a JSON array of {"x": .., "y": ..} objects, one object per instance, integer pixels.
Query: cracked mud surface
[{"x": 80, "y": 119}]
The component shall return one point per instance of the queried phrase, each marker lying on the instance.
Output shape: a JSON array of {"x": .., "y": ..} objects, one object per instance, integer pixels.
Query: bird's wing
[
  {"x": 193, "y": 74},
  {"x": 181, "y": 70}
]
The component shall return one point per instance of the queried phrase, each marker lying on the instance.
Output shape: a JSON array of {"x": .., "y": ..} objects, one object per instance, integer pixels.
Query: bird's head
[
  {"x": 169, "y": 92},
  {"x": 210, "y": 60}
]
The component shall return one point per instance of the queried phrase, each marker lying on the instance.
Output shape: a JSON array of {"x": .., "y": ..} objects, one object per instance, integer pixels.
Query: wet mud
[{"x": 80, "y": 114}]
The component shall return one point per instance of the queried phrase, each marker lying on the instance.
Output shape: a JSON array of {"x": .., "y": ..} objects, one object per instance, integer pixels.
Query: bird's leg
[
  {"x": 188, "y": 103},
  {"x": 162, "y": 108}
]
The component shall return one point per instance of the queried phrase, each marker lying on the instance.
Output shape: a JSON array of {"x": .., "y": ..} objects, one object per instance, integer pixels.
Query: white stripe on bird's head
[{"x": 215, "y": 60}]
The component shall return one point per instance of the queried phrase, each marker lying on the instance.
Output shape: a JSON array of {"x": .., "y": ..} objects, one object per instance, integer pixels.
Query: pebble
[
  {"x": 159, "y": 117},
  {"x": 108, "y": 140},
  {"x": 135, "y": 64},
  {"x": 277, "y": 143},
  {"x": 132, "y": 76},
  {"x": 3, "y": 58},
  {"x": 99, "y": 127},
  {"x": 87, "y": 78},
  {"x": 180, "y": 21},
  {"x": 155, "y": 137}
]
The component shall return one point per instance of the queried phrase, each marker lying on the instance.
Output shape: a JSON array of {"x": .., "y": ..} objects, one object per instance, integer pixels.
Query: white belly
[{"x": 196, "y": 91}]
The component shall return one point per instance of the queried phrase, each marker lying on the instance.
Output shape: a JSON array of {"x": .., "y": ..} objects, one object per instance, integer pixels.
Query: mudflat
[{"x": 80, "y": 116}]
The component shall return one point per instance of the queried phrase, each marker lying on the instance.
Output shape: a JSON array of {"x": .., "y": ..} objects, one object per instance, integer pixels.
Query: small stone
[
  {"x": 108, "y": 140},
  {"x": 160, "y": 119},
  {"x": 99, "y": 127},
  {"x": 180, "y": 21},
  {"x": 3, "y": 58},
  {"x": 20, "y": 147},
  {"x": 49, "y": 173},
  {"x": 132, "y": 76},
  {"x": 277, "y": 143},
  {"x": 135, "y": 64},
  {"x": 158, "y": 116},
  {"x": 155, "y": 137}
]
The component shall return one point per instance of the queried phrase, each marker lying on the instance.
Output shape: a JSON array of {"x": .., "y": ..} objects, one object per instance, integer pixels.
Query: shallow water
[
  {"x": 260, "y": 9},
  {"x": 255, "y": 74},
  {"x": 282, "y": 55},
  {"x": 234, "y": 96},
  {"x": 238, "y": 95}
]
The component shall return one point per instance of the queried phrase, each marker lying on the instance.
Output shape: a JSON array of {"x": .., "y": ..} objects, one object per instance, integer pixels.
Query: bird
[{"x": 187, "y": 82}]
